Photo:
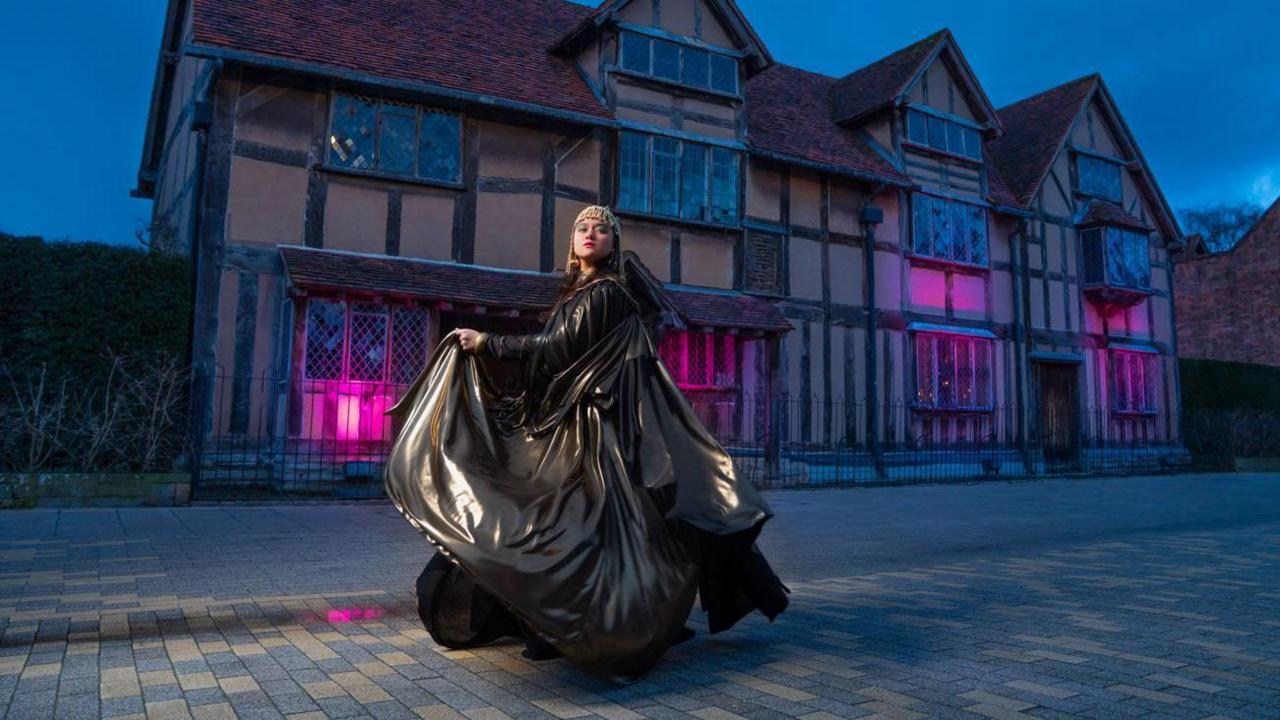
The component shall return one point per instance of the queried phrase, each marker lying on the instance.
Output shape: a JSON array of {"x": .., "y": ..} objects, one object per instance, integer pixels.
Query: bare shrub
[{"x": 130, "y": 419}]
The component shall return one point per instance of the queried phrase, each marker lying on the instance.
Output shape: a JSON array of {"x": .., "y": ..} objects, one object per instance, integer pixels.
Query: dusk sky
[{"x": 1198, "y": 83}]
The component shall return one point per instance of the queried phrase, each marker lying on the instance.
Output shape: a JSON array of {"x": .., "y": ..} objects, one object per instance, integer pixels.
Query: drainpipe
[
  {"x": 1016, "y": 249},
  {"x": 201, "y": 381},
  {"x": 870, "y": 216}
]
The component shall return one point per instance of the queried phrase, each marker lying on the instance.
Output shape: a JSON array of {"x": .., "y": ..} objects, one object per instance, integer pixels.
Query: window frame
[
  {"x": 681, "y": 374},
  {"x": 1118, "y": 163},
  {"x": 420, "y": 111},
  {"x": 390, "y": 339},
  {"x": 1149, "y": 372},
  {"x": 932, "y": 257},
  {"x": 686, "y": 49},
  {"x": 928, "y": 114},
  {"x": 711, "y": 153},
  {"x": 1105, "y": 249},
  {"x": 977, "y": 344}
]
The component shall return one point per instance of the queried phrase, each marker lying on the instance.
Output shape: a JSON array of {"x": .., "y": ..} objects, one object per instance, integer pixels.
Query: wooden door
[{"x": 1059, "y": 416}]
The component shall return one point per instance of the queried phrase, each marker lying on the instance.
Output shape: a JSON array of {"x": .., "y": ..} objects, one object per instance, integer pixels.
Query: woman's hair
[{"x": 573, "y": 277}]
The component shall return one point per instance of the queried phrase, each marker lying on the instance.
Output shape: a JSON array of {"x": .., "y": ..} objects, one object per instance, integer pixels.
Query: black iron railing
[{"x": 271, "y": 437}]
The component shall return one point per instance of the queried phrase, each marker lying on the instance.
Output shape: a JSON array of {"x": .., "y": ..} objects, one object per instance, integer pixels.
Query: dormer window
[
  {"x": 949, "y": 135},
  {"x": 1098, "y": 176},
  {"x": 675, "y": 62}
]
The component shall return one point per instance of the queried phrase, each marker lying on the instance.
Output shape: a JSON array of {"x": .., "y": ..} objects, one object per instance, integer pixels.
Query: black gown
[{"x": 590, "y": 508}]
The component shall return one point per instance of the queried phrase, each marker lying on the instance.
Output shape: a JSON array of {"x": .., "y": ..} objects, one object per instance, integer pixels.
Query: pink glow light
[
  {"x": 348, "y": 415},
  {"x": 346, "y": 615},
  {"x": 928, "y": 288},
  {"x": 969, "y": 293}
]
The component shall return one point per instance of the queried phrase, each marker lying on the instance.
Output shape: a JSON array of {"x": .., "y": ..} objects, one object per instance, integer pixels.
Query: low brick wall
[{"x": 31, "y": 490}]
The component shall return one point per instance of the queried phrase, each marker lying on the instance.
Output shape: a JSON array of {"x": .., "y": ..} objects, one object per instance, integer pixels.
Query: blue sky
[{"x": 1199, "y": 84}]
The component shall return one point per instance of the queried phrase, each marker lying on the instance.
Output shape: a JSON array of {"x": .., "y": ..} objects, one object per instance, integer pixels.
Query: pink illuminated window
[
  {"x": 953, "y": 372},
  {"x": 357, "y": 358},
  {"x": 700, "y": 360},
  {"x": 1134, "y": 382}
]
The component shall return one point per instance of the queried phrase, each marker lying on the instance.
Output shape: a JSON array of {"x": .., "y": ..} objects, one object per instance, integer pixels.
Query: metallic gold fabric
[{"x": 552, "y": 501}]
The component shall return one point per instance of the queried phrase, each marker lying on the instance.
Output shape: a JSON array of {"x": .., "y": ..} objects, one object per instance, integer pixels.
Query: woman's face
[{"x": 592, "y": 241}]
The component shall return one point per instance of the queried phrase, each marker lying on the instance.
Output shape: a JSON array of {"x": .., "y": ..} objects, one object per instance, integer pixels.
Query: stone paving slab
[{"x": 1124, "y": 598}]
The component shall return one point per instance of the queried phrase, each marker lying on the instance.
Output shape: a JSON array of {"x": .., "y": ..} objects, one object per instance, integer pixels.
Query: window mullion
[
  {"x": 709, "y": 185},
  {"x": 650, "y": 168},
  {"x": 346, "y": 340},
  {"x": 936, "y": 371}
]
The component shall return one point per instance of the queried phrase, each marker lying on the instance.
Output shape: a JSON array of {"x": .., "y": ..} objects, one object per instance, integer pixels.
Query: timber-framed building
[{"x": 871, "y": 262}]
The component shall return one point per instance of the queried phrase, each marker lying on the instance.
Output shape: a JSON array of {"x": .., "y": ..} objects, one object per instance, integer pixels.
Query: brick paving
[{"x": 1126, "y": 598}]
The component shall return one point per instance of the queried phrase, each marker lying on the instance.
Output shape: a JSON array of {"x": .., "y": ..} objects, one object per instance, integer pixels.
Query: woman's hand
[{"x": 469, "y": 339}]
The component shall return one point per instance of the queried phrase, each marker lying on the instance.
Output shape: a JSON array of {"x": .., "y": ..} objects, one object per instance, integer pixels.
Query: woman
[{"x": 586, "y": 511}]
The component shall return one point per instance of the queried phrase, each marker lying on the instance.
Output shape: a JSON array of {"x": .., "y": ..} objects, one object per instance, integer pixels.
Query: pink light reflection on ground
[{"x": 346, "y": 615}]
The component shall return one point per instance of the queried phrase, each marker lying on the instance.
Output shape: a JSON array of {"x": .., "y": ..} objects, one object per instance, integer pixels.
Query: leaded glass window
[
  {"x": 953, "y": 372},
  {"x": 633, "y": 167},
  {"x": 1134, "y": 382},
  {"x": 678, "y": 63},
  {"x": 409, "y": 337},
  {"x": 439, "y": 156},
  {"x": 666, "y": 176},
  {"x": 724, "y": 74},
  {"x": 1116, "y": 257},
  {"x": 352, "y": 139},
  {"x": 636, "y": 52},
  {"x": 397, "y": 139},
  {"x": 948, "y": 229},
  {"x": 394, "y": 138},
  {"x": 325, "y": 342},
  {"x": 693, "y": 183},
  {"x": 696, "y": 69},
  {"x": 666, "y": 60},
  {"x": 724, "y": 186},
  {"x": 943, "y": 134},
  {"x": 367, "y": 350},
  {"x": 364, "y": 342},
  {"x": 698, "y": 360},
  {"x": 1098, "y": 176},
  {"x": 676, "y": 178}
]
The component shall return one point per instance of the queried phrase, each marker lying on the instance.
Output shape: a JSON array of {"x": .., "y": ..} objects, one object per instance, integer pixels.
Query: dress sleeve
[{"x": 510, "y": 347}]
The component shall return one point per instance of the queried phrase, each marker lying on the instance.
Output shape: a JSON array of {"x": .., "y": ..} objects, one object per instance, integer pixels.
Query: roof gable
[
  {"x": 1037, "y": 129},
  {"x": 879, "y": 84},
  {"x": 726, "y": 12},
  {"x": 787, "y": 114},
  {"x": 888, "y": 81}
]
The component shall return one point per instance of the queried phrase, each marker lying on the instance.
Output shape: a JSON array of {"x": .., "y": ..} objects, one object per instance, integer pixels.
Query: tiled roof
[
  {"x": 433, "y": 280},
  {"x": 728, "y": 310},
  {"x": 1034, "y": 131},
  {"x": 315, "y": 268},
  {"x": 877, "y": 85},
  {"x": 998, "y": 190},
  {"x": 1109, "y": 213},
  {"x": 787, "y": 113},
  {"x": 499, "y": 48}
]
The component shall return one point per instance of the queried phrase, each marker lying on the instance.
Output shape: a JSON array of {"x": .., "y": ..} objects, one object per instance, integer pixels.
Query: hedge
[
  {"x": 66, "y": 303},
  {"x": 1218, "y": 385}
]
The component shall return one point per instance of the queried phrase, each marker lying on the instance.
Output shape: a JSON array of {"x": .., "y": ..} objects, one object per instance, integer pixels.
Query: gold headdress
[{"x": 598, "y": 212}]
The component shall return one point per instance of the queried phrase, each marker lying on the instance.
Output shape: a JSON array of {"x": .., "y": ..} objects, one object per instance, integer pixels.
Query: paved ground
[{"x": 1144, "y": 597}]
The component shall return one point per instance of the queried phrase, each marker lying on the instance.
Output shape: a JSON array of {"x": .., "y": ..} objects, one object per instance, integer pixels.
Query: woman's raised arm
[{"x": 509, "y": 347}]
